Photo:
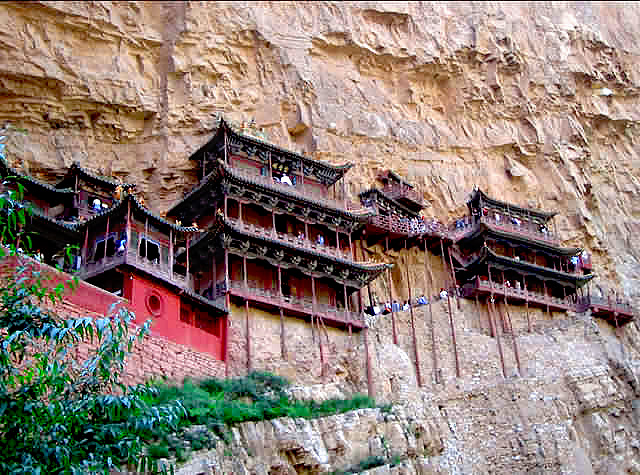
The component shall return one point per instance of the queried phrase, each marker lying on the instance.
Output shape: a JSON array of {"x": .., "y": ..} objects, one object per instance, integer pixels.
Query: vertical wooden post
[
  {"x": 301, "y": 174},
  {"x": 351, "y": 247},
  {"x": 283, "y": 341},
  {"x": 453, "y": 336},
  {"x": 226, "y": 154},
  {"x": 337, "y": 239},
  {"x": 370, "y": 390},
  {"x": 306, "y": 230},
  {"x": 313, "y": 312},
  {"x": 513, "y": 334},
  {"x": 187, "y": 276},
  {"x": 146, "y": 238},
  {"x": 526, "y": 301},
  {"x": 85, "y": 246},
  {"x": 170, "y": 252},
  {"x": 431, "y": 322},
  {"x": 246, "y": 312},
  {"x": 494, "y": 330},
  {"x": 273, "y": 223},
  {"x": 270, "y": 166},
  {"x": 227, "y": 300},
  {"x": 546, "y": 297},
  {"x": 393, "y": 315},
  {"x": 413, "y": 330},
  {"x": 240, "y": 211},
  {"x": 106, "y": 237},
  {"x": 226, "y": 206},
  {"x": 346, "y": 304},
  {"x": 454, "y": 282}
]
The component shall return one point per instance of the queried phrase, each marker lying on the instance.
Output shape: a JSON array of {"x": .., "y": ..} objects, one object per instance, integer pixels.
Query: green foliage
[
  {"x": 59, "y": 415},
  {"x": 216, "y": 404}
]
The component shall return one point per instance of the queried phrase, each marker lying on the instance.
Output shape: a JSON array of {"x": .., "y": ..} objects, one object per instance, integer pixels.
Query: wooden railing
[
  {"x": 290, "y": 239},
  {"x": 399, "y": 191},
  {"x": 305, "y": 191},
  {"x": 303, "y": 304},
  {"x": 469, "y": 289},
  {"x": 611, "y": 304},
  {"x": 524, "y": 229}
]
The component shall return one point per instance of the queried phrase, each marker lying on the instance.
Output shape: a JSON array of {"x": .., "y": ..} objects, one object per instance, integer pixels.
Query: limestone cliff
[{"x": 537, "y": 103}]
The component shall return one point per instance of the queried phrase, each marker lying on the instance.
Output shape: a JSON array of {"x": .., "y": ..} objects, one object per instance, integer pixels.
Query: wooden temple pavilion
[
  {"x": 278, "y": 231},
  {"x": 395, "y": 207}
]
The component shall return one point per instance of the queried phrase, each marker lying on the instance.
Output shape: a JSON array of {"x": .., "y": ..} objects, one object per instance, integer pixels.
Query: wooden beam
[
  {"x": 393, "y": 315},
  {"x": 246, "y": 311},
  {"x": 413, "y": 331},
  {"x": 434, "y": 352},
  {"x": 491, "y": 307},
  {"x": 283, "y": 340}
]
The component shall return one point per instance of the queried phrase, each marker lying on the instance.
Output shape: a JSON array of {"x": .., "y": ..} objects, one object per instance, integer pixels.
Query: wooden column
[
  {"x": 270, "y": 165},
  {"x": 106, "y": 236},
  {"x": 146, "y": 239},
  {"x": 393, "y": 315},
  {"x": 413, "y": 331},
  {"x": 85, "y": 246},
  {"x": 494, "y": 330},
  {"x": 453, "y": 336},
  {"x": 240, "y": 211},
  {"x": 431, "y": 322},
  {"x": 526, "y": 302},
  {"x": 227, "y": 300},
  {"x": 454, "y": 282},
  {"x": 188, "y": 245},
  {"x": 337, "y": 239},
  {"x": 226, "y": 208},
  {"x": 546, "y": 298},
  {"x": 313, "y": 312},
  {"x": 283, "y": 341},
  {"x": 513, "y": 334},
  {"x": 246, "y": 312},
  {"x": 273, "y": 223},
  {"x": 226, "y": 154},
  {"x": 170, "y": 252},
  {"x": 351, "y": 247}
]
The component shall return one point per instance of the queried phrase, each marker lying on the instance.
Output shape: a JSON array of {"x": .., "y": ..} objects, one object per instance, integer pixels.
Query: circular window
[{"x": 154, "y": 304}]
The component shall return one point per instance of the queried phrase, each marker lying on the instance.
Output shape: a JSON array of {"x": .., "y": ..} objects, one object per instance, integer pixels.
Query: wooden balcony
[
  {"x": 403, "y": 193},
  {"x": 524, "y": 230},
  {"x": 129, "y": 257},
  {"x": 615, "y": 311},
  {"x": 517, "y": 296},
  {"x": 300, "y": 189},
  {"x": 297, "y": 306},
  {"x": 259, "y": 231}
]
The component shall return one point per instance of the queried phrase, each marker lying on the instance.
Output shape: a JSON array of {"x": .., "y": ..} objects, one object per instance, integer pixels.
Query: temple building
[
  {"x": 277, "y": 232},
  {"x": 395, "y": 207},
  {"x": 509, "y": 253}
]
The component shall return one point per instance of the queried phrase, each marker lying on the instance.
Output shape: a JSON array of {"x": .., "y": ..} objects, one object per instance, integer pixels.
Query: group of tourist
[{"x": 395, "y": 306}]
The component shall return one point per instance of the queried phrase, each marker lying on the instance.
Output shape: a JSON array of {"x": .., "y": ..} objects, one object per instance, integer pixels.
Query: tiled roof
[
  {"x": 76, "y": 169},
  {"x": 478, "y": 194}
]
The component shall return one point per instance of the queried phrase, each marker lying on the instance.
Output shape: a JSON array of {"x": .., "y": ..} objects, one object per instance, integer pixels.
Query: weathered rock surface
[{"x": 536, "y": 103}]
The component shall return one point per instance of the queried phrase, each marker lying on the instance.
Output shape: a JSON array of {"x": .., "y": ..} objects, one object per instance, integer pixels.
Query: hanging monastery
[{"x": 264, "y": 259}]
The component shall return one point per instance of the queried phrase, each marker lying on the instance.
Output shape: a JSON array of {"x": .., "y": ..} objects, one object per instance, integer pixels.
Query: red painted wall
[{"x": 196, "y": 329}]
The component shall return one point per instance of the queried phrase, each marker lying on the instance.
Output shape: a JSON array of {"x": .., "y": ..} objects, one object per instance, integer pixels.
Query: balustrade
[
  {"x": 301, "y": 189},
  {"x": 398, "y": 191},
  {"x": 290, "y": 239},
  {"x": 304, "y": 304}
]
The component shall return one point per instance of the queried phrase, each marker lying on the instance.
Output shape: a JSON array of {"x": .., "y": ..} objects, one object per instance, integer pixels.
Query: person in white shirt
[{"x": 286, "y": 180}]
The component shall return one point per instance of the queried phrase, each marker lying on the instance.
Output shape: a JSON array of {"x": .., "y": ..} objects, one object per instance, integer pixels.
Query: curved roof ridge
[
  {"x": 77, "y": 168},
  {"x": 478, "y": 193}
]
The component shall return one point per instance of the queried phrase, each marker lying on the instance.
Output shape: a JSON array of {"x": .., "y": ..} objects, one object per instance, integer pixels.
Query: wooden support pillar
[
  {"x": 393, "y": 315},
  {"x": 170, "y": 253},
  {"x": 370, "y": 390},
  {"x": 240, "y": 211},
  {"x": 306, "y": 231},
  {"x": 226, "y": 206},
  {"x": 453, "y": 336},
  {"x": 106, "y": 237},
  {"x": 313, "y": 312},
  {"x": 346, "y": 304},
  {"x": 351, "y": 247},
  {"x": 490, "y": 308},
  {"x": 85, "y": 246},
  {"x": 513, "y": 335},
  {"x": 188, "y": 246},
  {"x": 227, "y": 300},
  {"x": 454, "y": 282},
  {"x": 226, "y": 153},
  {"x": 273, "y": 223},
  {"x": 270, "y": 166},
  {"x": 337, "y": 239},
  {"x": 546, "y": 297},
  {"x": 283, "y": 339},
  {"x": 429, "y": 294},
  {"x": 413, "y": 331},
  {"x": 526, "y": 302},
  {"x": 246, "y": 311}
]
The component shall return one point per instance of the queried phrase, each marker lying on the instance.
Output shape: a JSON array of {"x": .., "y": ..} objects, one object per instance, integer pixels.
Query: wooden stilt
[
  {"x": 85, "y": 246},
  {"x": 546, "y": 297},
  {"x": 370, "y": 390},
  {"x": 413, "y": 331},
  {"x": 526, "y": 302},
  {"x": 490, "y": 308},
  {"x": 283, "y": 338},
  {"x": 240, "y": 211},
  {"x": 436, "y": 372},
  {"x": 393, "y": 315},
  {"x": 453, "y": 336},
  {"x": 513, "y": 335},
  {"x": 228, "y": 303},
  {"x": 106, "y": 238},
  {"x": 246, "y": 309},
  {"x": 313, "y": 312}
]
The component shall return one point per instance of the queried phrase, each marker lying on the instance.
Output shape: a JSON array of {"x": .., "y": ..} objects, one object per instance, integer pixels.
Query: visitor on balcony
[
  {"x": 320, "y": 240},
  {"x": 300, "y": 236},
  {"x": 443, "y": 294},
  {"x": 286, "y": 180},
  {"x": 422, "y": 300},
  {"x": 406, "y": 307},
  {"x": 96, "y": 205},
  {"x": 574, "y": 262},
  {"x": 497, "y": 217},
  {"x": 395, "y": 306},
  {"x": 544, "y": 230},
  {"x": 122, "y": 246}
]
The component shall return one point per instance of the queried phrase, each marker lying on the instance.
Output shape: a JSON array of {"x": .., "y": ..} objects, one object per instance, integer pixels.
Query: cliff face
[{"x": 536, "y": 103}]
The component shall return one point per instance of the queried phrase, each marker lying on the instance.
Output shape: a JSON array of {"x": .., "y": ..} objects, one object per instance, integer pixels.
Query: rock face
[{"x": 536, "y": 103}]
